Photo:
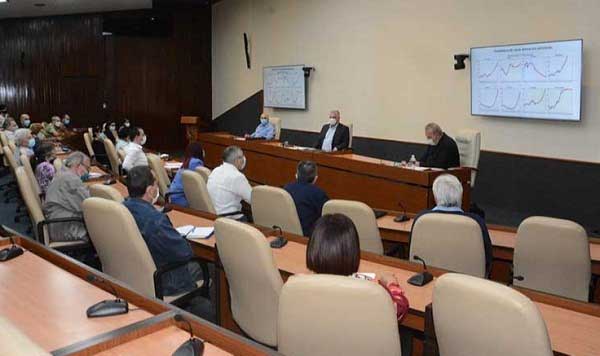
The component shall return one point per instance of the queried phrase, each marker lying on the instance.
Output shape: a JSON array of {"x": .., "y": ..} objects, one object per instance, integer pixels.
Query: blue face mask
[
  {"x": 263, "y": 120},
  {"x": 31, "y": 143},
  {"x": 66, "y": 122},
  {"x": 26, "y": 123},
  {"x": 85, "y": 177}
]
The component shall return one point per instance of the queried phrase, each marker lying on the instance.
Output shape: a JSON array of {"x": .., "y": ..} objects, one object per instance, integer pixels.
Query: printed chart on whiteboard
[
  {"x": 284, "y": 87},
  {"x": 538, "y": 80}
]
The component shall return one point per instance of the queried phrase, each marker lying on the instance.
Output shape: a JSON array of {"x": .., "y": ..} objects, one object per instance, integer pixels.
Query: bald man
[
  {"x": 334, "y": 136},
  {"x": 442, "y": 151}
]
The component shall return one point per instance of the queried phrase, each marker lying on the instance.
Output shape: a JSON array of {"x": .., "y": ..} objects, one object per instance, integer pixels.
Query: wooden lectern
[{"x": 191, "y": 127}]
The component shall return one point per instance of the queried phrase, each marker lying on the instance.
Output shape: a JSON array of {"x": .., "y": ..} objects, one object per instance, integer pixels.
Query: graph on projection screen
[
  {"x": 284, "y": 87},
  {"x": 535, "y": 80}
]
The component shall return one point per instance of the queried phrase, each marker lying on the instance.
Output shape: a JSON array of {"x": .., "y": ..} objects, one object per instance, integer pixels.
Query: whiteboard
[{"x": 284, "y": 87}]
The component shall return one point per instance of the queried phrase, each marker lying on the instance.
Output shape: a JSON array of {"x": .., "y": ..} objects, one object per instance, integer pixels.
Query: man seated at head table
[
  {"x": 308, "y": 198},
  {"x": 228, "y": 186},
  {"x": 265, "y": 129},
  {"x": 334, "y": 248},
  {"x": 64, "y": 197},
  {"x": 134, "y": 153},
  {"x": 334, "y": 136},
  {"x": 442, "y": 151},
  {"x": 24, "y": 143},
  {"x": 165, "y": 244},
  {"x": 448, "y": 192}
]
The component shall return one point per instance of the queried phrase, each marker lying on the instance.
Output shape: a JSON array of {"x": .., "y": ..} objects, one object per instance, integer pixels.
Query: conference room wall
[
  {"x": 387, "y": 64},
  {"x": 52, "y": 65}
]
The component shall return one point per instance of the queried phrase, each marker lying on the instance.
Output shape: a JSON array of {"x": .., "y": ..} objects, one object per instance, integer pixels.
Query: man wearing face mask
[
  {"x": 334, "y": 136},
  {"x": 164, "y": 242},
  {"x": 264, "y": 130},
  {"x": 25, "y": 144},
  {"x": 66, "y": 120},
  {"x": 64, "y": 197},
  {"x": 134, "y": 154},
  {"x": 228, "y": 186},
  {"x": 25, "y": 120},
  {"x": 10, "y": 127},
  {"x": 442, "y": 151}
]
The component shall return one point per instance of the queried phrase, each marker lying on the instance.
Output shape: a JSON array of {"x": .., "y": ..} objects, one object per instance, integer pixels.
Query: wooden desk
[
  {"x": 571, "y": 324},
  {"x": 48, "y": 304},
  {"x": 342, "y": 175}
]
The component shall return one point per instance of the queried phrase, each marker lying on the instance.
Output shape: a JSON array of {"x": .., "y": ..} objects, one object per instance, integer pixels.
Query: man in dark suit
[
  {"x": 442, "y": 151},
  {"x": 334, "y": 136}
]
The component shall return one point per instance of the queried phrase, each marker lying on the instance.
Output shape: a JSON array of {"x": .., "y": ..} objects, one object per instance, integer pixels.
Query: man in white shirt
[
  {"x": 228, "y": 186},
  {"x": 134, "y": 154}
]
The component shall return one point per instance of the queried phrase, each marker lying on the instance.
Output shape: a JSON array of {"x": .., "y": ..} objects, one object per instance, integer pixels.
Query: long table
[
  {"x": 45, "y": 296},
  {"x": 343, "y": 175},
  {"x": 572, "y": 325}
]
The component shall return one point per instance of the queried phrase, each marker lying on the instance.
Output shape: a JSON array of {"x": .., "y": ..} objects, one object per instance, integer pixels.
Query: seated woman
[
  {"x": 98, "y": 147},
  {"x": 334, "y": 248},
  {"x": 42, "y": 163},
  {"x": 194, "y": 157}
]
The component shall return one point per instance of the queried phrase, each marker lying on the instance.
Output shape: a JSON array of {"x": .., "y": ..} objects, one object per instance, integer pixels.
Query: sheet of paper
[
  {"x": 194, "y": 232},
  {"x": 95, "y": 175},
  {"x": 173, "y": 165}
]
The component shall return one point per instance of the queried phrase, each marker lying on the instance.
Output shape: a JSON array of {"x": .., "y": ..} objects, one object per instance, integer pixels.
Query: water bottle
[{"x": 412, "y": 162}]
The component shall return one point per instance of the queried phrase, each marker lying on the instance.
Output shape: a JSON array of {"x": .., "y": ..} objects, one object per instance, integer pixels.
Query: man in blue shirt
[
  {"x": 166, "y": 245},
  {"x": 334, "y": 136},
  {"x": 447, "y": 191},
  {"x": 264, "y": 130},
  {"x": 309, "y": 198}
]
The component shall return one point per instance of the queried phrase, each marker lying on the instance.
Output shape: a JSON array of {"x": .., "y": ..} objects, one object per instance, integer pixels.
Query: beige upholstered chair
[
  {"x": 363, "y": 218},
  {"x": 113, "y": 157},
  {"x": 36, "y": 214},
  {"x": 448, "y": 241},
  {"x": 15, "y": 343},
  {"x": 10, "y": 158},
  {"x": 35, "y": 186},
  {"x": 276, "y": 122},
  {"x": 351, "y": 133},
  {"x": 495, "y": 320},
  {"x": 272, "y": 206},
  {"x": 321, "y": 315},
  {"x": 204, "y": 172},
  {"x": 254, "y": 280},
  {"x": 553, "y": 256},
  {"x": 106, "y": 192},
  {"x": 469, "y": 147},
  {"x": 161, "y": 173},
  {"x": 194, "y": 188},
  {"x": 58, "y": 164},
  {"x": 87, "y": 139}
]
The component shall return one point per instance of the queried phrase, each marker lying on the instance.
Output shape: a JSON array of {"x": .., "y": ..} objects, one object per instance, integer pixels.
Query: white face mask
[
  {"x": 332, "y": 122},
  {"x": 156, "y": 196},
  {"x": 430, "y": 142},
  {"x": 264, "y": 120},
  {"x": 126, "y": 124},
  {"x": 143, "y": 142},
  {"x": 57, "y": 123}
]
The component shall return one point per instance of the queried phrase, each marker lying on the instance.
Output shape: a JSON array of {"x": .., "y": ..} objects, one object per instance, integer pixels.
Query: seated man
[
  {"x": 134, "y": 154},
  {"x": 64, "y": 197},
  {"x": 25, "y": 120},
  {"x": 309, "y": 198},
  {"x": 448, "y": 191},
  {"x": 264, "y": 130},
  {"x": 165, "y": 244},
  {"x": 25, "y": 144},
  {"x": 334, "y": 136},
  {"x": 442, "y": 151},
  {"x": 66, "y": 120},
  {"x": 228, "y": 186},
  {"x": 122, "y": 139}
]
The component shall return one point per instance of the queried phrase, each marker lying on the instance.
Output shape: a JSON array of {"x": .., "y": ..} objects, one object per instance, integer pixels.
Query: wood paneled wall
[{"x": 61, "y": 64}]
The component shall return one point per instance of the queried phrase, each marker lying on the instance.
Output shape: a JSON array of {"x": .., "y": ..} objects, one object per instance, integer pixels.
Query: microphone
[
  {"x": 518, "y": 278},
  {"x": 106, "y": 307},
  {"x": 11, "y": 252},
  {"x": 420, "y": 279},
  {"x": 192, "y": 347},
  {"x": 401, "y": 217},
  {"x": 280, "y": 241}
]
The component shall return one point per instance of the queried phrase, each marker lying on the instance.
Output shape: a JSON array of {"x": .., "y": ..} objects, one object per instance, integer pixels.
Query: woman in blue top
[{"x": 194, "y": 157}]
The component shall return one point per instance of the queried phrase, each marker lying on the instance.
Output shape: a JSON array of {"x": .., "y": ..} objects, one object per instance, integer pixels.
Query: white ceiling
[{"x": 26, "y": 8}]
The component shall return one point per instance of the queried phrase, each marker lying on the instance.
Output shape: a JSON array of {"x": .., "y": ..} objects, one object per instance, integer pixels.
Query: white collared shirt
[
  {"x": 134, "y": 156},
  {"x": 227, "y": 186},
  {"x": 328, "y": 141}
]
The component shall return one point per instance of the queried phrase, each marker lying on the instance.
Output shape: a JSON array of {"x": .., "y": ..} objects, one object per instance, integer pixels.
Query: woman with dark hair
[
  {"x": 42, "y": 163},
  {"x": 334, "y": 248},
  {"x": 194, "y": 157}
]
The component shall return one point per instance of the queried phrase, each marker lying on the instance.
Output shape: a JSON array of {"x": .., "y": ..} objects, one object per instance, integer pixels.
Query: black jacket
[
  {"x": 443, "y": 155},
  {"x": 341, "y": 138}
]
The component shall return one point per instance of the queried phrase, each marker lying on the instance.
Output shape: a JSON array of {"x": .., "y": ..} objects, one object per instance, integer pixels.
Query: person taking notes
[{"x": 442, "y": 151}]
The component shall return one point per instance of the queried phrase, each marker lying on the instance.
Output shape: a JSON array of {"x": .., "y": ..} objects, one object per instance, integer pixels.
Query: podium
[{"x": 191, "y": 124}]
